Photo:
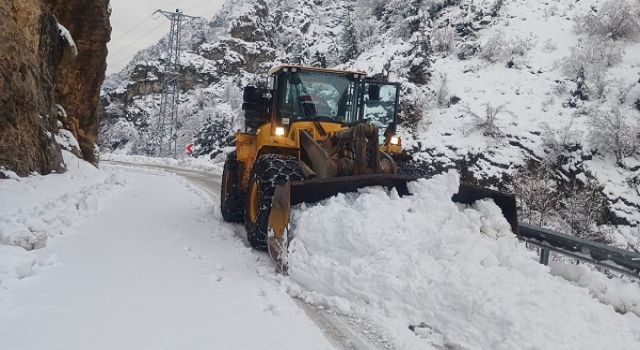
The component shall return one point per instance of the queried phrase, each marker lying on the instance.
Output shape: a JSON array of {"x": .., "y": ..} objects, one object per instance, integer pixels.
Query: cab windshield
[{"x": 317, "y": 96}]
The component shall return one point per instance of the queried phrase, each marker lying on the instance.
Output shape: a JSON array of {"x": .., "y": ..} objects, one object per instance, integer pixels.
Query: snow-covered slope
[{"x": 538, "y": 98}]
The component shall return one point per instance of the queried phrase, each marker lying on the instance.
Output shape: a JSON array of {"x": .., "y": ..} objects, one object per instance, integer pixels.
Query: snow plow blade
[{"x": 310, "y": 191}]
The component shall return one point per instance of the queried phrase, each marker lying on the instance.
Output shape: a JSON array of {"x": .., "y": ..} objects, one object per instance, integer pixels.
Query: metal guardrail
[{"x": 616, "y": 259}]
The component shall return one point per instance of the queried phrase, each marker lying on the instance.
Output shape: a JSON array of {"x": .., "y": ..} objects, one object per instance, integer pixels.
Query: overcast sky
[{"x": 130, "y": 14}]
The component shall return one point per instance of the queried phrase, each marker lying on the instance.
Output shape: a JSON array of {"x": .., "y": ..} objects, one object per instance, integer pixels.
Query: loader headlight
[
  {"x": 395, "y": 140},
  {"x": 279, "y": 131}
]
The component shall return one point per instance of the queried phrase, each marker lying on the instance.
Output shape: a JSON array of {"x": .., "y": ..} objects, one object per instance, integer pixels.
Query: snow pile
[
  {"x": 458, "y": 272},
  {"x": 201, "y": 163},
  {"x": 15, "y": 263},
  {"x": 622, "y": 295},
  {"x": 37, "y": 208}
]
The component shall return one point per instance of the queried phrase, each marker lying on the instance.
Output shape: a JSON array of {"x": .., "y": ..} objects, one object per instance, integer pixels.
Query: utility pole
[{"x": 166, "y": 137}]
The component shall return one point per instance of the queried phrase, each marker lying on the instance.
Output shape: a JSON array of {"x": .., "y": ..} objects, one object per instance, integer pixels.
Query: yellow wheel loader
[{"x": 310, "y": 134}]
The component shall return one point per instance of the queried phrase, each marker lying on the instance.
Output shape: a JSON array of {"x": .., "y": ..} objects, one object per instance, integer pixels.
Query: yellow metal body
[{"x": 250, "y": 146}]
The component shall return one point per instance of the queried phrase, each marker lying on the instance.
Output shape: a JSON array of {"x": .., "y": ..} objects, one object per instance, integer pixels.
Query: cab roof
[{"x": 279, "y": 68}]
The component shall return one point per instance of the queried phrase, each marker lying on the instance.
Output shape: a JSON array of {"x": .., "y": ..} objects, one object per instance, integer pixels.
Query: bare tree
[
  {"x": 582, "y": 209},
  {"x": 442, "y": 91},
  {"x": 536, "y": 193},
  {"x": 612, "y": 132},
  {"x": 623, "y": 89}
]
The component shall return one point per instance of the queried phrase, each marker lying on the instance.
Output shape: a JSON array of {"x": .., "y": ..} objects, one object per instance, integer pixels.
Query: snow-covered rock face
[
  {"x": 459, "y": 272},
  {"x": 500, "y": 90},
  {"x": 86, "y": 29}
]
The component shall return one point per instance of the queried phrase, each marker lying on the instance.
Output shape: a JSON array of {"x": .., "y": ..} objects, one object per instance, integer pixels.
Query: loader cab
[
  {"x": 316, "y": 95},
  {"x": 331, "y": 97}
]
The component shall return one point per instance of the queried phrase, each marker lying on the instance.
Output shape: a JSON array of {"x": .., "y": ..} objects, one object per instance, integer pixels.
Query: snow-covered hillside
[{"x": 538, "y": 98}]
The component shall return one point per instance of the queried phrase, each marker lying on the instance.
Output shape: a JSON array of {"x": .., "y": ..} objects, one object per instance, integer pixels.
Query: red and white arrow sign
[{"x": 189, "y": 148}]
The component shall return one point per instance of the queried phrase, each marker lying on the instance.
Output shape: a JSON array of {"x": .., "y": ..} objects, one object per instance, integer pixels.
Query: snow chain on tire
[
  {"x": 268, "y": 171},
  {"x": 412, "y": 169}
]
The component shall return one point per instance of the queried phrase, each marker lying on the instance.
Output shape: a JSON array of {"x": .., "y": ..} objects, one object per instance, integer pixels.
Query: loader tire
[
  {"x": 231, "y": 199},
  {"x": 412, "y": 169},
  {"x": 268, "y": 171}
]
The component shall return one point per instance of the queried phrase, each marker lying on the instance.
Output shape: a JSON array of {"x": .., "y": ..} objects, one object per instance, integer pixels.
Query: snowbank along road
[{"x": 156, "y": 267}]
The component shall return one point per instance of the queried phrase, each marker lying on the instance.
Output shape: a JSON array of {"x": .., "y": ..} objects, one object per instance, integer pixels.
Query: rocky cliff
[
  {"x": 31, "y": 49},
  {"x": 44, "y": 73},
  {"x": 79, "y": 80}
]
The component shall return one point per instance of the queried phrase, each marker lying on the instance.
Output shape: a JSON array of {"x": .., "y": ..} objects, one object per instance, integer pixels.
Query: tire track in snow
[{"x": 345, "y": 333}]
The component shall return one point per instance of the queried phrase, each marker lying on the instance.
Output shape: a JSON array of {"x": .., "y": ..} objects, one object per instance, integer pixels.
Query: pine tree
[
  {"x": 214, "y": 136},
  {"x": 581, "y": 87},
  {"x": 319, "y": 60},
  {"x": 420, "y": 69},
  {"x": 414, "y": 20},
  {"x": 348, "y": 41},
  {"x": 297, "y": 51}
]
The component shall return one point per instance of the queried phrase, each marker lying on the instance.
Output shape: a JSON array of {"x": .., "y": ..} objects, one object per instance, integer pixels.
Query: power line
[
  {"x": 122, "y": 36},
  {"x": 175, "y": 3},
  {"x": 141, "y": 23},
  {"x": 132, "y": 29},
  {"x": 122, "y": 49},
  {"x": 198, "y": 5}
]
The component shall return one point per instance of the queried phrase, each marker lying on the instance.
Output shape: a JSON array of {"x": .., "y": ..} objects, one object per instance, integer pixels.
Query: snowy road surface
[{"x": 154, "y": 269}]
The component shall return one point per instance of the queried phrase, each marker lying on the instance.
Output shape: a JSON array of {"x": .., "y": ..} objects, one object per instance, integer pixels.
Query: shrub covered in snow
[
  {"x": 560, "y": 144},
  {"x": 613, "y": 132},
  {"x": 443, "y": 39},
  {"x": 501, "y": 47},
  {"x": 413, "y": 108},
  {"x": 123, "y": 132},
  {"x": 616, "y": 19},
  {"x": 588, "y": 65},
  {"x": 487, "y": 122}
]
